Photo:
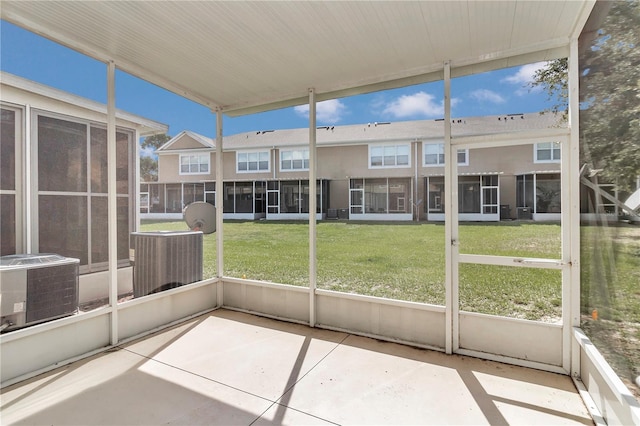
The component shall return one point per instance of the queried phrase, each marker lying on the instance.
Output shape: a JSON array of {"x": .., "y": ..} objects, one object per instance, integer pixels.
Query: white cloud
[
  {"x": 486, "y": 95},
  {"x": 523, "y": 77},
  {"x": 329, "y": 112},
  {"x": 525, "y": 73},
  {"x": 420, "y": 104}
]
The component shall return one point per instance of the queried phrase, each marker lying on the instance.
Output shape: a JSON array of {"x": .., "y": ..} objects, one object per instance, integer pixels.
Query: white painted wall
[{"x": 96, "y": 286}]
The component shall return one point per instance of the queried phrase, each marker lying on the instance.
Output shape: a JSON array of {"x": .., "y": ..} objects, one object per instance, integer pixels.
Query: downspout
[{"x": 275, "y": 160}]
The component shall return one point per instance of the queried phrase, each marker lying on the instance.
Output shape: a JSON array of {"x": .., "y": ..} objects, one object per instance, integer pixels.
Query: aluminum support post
[
  {"x": 112, "y": 200},
  {"x": 219, "y": 207},
  {"x": 451, "y": 228},
  {"x": 573, "y": 312},
  {"x": 313, "y": 190}
]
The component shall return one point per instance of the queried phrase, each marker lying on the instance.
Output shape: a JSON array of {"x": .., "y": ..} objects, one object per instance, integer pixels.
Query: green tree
[
  {"x": 148, "y": 169},
  {"x": 610, "y": 90},
  {"x": 149, "y": 164}
]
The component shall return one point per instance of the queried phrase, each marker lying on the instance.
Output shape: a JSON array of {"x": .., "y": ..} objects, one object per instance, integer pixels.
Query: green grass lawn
[
  {"x": 611, "y": 285},
  {"x": 404, "y": 261}
]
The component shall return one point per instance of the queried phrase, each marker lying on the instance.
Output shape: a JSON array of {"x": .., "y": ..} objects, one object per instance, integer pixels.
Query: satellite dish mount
[{"x": 200, "y": 216}]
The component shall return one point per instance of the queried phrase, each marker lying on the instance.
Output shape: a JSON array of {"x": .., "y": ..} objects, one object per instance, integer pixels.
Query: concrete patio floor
[{"x": 231, "y": 368}]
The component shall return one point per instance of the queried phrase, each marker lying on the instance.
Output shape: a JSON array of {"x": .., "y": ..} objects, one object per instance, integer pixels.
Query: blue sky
[{"x": 33, "y": 57}]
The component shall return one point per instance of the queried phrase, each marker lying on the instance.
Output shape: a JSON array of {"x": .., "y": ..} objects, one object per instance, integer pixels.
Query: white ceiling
[{"x": 245, "y": 57}]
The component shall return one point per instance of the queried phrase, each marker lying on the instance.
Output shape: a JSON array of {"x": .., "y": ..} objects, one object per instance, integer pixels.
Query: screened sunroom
[{"x": 243, "y": 58}]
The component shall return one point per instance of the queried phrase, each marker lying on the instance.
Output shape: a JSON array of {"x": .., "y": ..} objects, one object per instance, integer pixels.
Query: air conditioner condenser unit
[
  {"x": 37, "y": 287},
  {"x": 165, "y": 259}
]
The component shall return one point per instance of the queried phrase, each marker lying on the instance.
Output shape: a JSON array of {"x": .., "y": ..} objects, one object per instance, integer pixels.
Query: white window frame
[
  {"x": 247, "y": 161},
  {"x": 21, "y": 235},
  {"x": 33, "y": 201},
  {"x": 389, "y": 147},
  {"x": 552, "y": 146},
  {"x": 441, "y": 153},
  {"x": 200, "y": 156},
  {"x": 299, "y": 152}
]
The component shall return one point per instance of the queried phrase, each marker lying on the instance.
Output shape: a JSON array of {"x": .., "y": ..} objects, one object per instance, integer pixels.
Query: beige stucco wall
[
  {"x": 339, "y": 193},
  {"x": 186, "y": 142},
  {"x": 516, "y": 159}
]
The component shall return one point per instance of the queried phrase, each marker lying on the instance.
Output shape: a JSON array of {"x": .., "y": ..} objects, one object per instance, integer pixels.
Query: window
[
  {"x": 294, "y": 160},
  {"x": 194, "y": 164},
  {"x": 72, "y": 191},
  {"x": 547, "y": 152},
  {"x": 463, "y": 157},
  {"x": 389, "y": 155},
  {"x": 9, "y": 185},
  {"x": 434, "y": 155},
  {"x": 256, "y": 161}
]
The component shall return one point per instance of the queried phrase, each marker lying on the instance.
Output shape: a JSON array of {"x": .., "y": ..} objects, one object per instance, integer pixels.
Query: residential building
[{"x": 391, "y": 171}]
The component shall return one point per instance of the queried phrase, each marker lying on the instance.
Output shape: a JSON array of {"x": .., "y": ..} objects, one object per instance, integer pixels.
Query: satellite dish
[{"x": 200, "y": 216}]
